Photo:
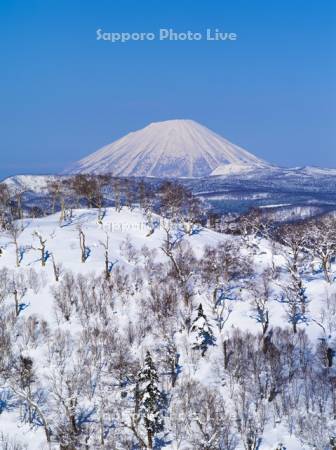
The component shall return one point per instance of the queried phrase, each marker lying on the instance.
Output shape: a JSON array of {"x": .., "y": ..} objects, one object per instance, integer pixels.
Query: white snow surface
[
  {"x": 172, "y": 148},
  {"x": 62, "y": 242},
  {"x": 312, "y": 170},
  {"x": 35, "y": 183},
  {"x": 232, "y": 169}
]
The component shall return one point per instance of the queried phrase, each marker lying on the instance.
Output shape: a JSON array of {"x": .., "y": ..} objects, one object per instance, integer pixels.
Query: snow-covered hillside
[
  {"x": 136, "y": 286},
  {"x": 173, "y": 148},
  {"x": 294, "y": 193},
  {"x": 32, "y": 183},
  {"x": 232, "y": 169}
]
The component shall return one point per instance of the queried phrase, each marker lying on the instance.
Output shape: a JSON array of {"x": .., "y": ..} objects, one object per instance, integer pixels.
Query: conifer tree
[
  {"x": 202, "y": 331},
  {"x": 150, "y": 399}
]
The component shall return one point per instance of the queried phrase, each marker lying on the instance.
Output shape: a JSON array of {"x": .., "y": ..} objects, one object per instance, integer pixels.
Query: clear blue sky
[{"x": 64, "y": 95}]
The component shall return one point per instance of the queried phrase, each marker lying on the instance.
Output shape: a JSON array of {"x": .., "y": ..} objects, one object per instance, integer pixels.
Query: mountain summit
[{"x": 173, "y": 148}]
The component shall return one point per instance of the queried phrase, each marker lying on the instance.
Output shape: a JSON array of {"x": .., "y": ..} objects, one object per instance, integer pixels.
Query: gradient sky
[{"x": 63, "y": 94}]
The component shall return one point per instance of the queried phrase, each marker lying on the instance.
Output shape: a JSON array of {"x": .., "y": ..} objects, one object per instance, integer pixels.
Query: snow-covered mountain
[
  {"x": 33, "y": 183},
  {"x": 173, "y": 148},
  {"x": 232, "y": 169}
]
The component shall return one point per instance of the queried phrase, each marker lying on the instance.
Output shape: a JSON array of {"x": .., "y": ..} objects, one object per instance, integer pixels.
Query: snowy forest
[{"x": 133, "y": 318}]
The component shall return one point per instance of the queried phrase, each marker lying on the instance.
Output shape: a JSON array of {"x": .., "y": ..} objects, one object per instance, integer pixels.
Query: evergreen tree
[
  {"x": 150, "y": 399},
  {"x": 202, "y": 331}
]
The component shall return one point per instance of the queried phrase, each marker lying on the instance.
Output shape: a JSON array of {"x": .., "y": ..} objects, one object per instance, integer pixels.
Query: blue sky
[{"x": 64, "y": 95}]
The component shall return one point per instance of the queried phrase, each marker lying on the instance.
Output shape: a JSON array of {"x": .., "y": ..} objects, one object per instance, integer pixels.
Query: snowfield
[{"x": 138, "y": 266}]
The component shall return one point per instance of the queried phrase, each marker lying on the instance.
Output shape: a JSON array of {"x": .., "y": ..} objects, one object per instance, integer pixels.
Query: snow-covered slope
[
  {"x": 316, "y": 171},
  {"x": 232, "y": 169},
  {"x": 41, "y": 309},
  {"x": 34, "y": 183},
  {"x": 173, "y": 148}
]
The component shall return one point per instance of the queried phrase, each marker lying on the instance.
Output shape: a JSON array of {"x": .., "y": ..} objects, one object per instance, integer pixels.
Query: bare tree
[
  {"x": 85, "y": 251},
  {"x": 33, "y": 405},
  {"x": 106, "y": 246},
  {"x": 321, "y": 243},
  {"x": 221, "y": 265},
  {"x": 4, "y": 205},
  {"x": 260, "y": 291},
  {"x": 42, "y": 249},
  {"x": 55, "y": 187},
  {"x": 14, "y": 232},
  {"x": 117, "y": 189},
  {"x": 85, "y": 187},
  {"x": 128, "y": 250},
  {"x": 57, "y": 268},
  {"x": 19, "y": 290},
  {"x": 296, "y": 301},
  {"x": 17, "y": 194}
]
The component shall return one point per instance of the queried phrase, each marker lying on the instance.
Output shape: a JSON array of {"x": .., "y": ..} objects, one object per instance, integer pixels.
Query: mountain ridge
[{"x": 172, "y": 148}]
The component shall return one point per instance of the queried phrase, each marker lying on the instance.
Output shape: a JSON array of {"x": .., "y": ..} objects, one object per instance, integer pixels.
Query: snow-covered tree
[
  {"x": 4, "y": 203},
  {"x": 150, "y": 399},
  {"x": 296, "y": 301},
  {"x": 201, "y": 330},
  {"x": 14, "y": 231},
  {"x": 321, "y": 243},
  {"x": 260, "y": 291}
]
